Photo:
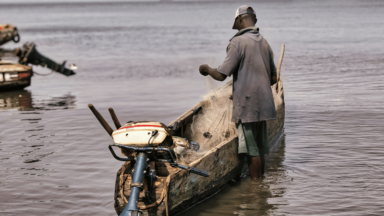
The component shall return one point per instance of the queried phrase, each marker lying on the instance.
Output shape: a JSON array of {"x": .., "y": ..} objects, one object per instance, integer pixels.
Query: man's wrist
[{"x": 210, "y": 70}]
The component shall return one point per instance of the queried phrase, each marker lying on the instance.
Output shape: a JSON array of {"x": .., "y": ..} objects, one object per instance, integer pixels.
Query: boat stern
[{"x": 14, "y": 76}]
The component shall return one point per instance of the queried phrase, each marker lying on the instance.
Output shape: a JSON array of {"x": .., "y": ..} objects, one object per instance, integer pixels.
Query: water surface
[{"x": 142, "y": 60}]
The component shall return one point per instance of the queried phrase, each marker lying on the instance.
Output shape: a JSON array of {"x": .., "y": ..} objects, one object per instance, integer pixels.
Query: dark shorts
[{"x": 253, "y": 138}]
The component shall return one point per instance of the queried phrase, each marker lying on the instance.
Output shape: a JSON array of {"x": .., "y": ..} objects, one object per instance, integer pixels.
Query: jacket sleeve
[{"x": 231, "y": 62}]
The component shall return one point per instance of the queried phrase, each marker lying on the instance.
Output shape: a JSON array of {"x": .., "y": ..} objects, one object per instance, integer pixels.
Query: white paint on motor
[{"x": 139, "y": 135}]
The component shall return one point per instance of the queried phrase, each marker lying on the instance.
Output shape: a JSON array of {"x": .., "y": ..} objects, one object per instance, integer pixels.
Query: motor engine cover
[{"x": 140, "y": 134}]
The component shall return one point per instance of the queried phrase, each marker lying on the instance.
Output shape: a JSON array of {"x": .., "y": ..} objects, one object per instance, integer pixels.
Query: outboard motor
[
  {"x": 145, "y": 143},
  {"x": 29, "y": 55}
]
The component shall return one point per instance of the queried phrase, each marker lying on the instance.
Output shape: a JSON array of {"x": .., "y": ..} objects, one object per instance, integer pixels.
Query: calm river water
[{"x": 142, "y": 59}]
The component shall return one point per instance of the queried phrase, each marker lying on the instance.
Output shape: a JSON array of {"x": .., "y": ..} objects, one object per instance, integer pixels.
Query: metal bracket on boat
[
  {"x": 117, "y": 157},
  {"x": 136, "y": 213},
  {"x": 171, "y": 161},
  {"x": 151, "y": 179},
  {"x": 138, "y": 185}
]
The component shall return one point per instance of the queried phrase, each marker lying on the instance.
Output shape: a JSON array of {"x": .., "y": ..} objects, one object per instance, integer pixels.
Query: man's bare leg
[
  {"x": 254, "y": 165},
  {"x": 262, "y": 169}
]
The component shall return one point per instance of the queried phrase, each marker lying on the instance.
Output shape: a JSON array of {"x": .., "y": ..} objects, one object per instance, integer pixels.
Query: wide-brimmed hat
[{"x": 243, "y": 9}]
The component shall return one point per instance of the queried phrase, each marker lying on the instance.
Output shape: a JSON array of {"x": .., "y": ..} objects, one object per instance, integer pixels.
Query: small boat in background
[
  {"x": 8, "y": 33},
  {"x": 14, "y": 76},
  {"x": 18, "y": 76}
]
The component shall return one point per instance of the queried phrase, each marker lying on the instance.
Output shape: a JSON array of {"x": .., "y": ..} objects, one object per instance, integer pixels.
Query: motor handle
[
  {"x": 117, "y": 157},
  {"x": 192, "y": 170}
]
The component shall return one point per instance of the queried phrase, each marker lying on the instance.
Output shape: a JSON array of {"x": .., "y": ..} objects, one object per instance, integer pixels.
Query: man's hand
[{"x": 204, "y": 69}]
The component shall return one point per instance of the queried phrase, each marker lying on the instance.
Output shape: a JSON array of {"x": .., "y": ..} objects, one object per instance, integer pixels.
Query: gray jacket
[{"x": 250, "y": 60}]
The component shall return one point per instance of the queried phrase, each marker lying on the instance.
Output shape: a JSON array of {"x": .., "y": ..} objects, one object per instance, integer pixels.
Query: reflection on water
[
  {"x": 66, "y": 101},
  {"x": 16, "y": 99},
  {"x": 247, "y": 197},
  {"x": 22, "y": 100},
  {"x": 33, "y": 122}
]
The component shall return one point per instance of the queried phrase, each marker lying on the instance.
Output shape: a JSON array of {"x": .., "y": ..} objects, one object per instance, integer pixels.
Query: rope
[
  {"x": 141, "y": 205},
  {"x": 43, "y": 74},
  {"x": 122, "y": 180},
  {"x": 164, "y": 194}
]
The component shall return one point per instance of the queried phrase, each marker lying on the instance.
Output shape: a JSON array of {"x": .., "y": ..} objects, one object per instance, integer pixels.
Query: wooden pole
[
  {"x": 114, "y": 118},
  {"x": 280, "y": 62},
  {"x": 101, "y": 119}
]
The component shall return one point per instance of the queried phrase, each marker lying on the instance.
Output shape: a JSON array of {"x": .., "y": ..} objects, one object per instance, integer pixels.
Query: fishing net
[{"x": 212, "y": 125}]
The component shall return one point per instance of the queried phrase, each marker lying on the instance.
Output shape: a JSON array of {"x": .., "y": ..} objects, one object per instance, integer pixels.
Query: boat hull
[{"x": 15, "y": 85}]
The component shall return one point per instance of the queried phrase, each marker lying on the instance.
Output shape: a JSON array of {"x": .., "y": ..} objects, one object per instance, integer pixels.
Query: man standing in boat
[{"x": 250, "y": 61}]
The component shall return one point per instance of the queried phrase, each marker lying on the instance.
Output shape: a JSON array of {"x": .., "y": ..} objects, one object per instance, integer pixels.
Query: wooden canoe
[
  {"x": 14, "y": 76},
  {"x": 177, "y": 189}
]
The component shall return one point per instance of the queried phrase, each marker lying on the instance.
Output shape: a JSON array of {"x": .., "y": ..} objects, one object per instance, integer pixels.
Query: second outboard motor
[{"x": 29, "y": 55}]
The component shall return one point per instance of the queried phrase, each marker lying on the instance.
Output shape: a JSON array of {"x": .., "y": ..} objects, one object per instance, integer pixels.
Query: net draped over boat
[{"x": 215, "y": 118}]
